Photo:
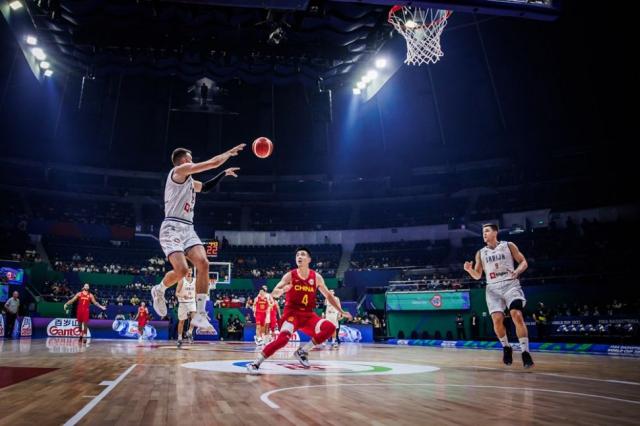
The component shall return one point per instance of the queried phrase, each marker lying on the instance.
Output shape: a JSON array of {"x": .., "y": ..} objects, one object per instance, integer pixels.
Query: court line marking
[
  {"x": 265, "y": 396},
  {"x": 564, "y": 376},
  {"x": 85, "y": 410}
]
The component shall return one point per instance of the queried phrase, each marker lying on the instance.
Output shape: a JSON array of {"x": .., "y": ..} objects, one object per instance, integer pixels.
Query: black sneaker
[
  {"x": 252, "y": 368},
  {"x": 303, "y": 357},
  {"x": 527, "y": 361},
  {"x": 179, "y": 344},
  {"x": 507, "y": 355}
]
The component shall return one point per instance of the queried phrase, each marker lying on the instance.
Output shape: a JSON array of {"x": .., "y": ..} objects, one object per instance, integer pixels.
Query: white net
[{"x": 421, "y": 28}]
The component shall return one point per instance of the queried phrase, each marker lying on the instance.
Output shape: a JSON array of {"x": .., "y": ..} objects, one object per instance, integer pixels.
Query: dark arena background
[{"x": 396, "y": 136}]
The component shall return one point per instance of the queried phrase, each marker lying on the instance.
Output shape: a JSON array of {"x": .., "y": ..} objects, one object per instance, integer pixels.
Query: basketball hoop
[{"x": 421, "y": 29}]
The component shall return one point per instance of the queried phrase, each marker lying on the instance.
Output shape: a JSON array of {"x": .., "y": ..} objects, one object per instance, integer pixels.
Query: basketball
[{"x": 262, "y": 147}]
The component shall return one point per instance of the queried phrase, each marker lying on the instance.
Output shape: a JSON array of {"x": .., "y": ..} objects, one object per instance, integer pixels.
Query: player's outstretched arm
[
  {"x": 211, "y": 183},
  {"x": 73, "y": 299},
  {"x": 475, "y": 272},
  {"x": 520, "y": 260},
  {"x": 184, "y": 170},
  {"x": 282, "y": 287},
  {"x": 95, "y": 302},
  {"x": 330, "y": 297}
]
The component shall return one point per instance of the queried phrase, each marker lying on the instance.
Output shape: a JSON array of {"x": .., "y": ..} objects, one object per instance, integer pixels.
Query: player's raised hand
[
  {"x": 231, "y": 171},
  {"x": 236, "y": 149},
  {"x": 347, "y": 315},
  {"x": 468, "y": 266}
]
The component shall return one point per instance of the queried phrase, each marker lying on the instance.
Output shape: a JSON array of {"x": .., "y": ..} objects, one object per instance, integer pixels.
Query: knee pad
[
  {"x": 517, "y": 304},
  {"x": 324, "y": 329}
]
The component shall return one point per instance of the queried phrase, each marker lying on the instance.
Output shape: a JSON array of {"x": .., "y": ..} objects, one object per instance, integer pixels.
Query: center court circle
[{"x": 318, "y": 368}]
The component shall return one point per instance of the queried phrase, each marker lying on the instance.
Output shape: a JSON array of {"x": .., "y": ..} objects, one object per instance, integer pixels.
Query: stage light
[
  {"x": 15, "y": 5},
  {"x": 45, "y": 65},
  {"x": 356, "y": 91},
  {"x": 372, "y": 74},
  {"x": 361, "y": 85},
  {"x": 31, "y": 40},
  {"x": 39, "y": 53},
  {"x": 48, "y": 73},
  {"x": 365, "y": 79},
  {"x": 381, "y": 62}
]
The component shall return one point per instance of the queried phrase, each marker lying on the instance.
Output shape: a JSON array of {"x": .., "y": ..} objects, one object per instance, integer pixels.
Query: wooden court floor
[{"x": 57, "y": 381}]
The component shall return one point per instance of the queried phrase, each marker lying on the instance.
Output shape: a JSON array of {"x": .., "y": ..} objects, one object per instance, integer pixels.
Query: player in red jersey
[
  {"x": 300, "y": 286},
  {"x": 260, "y": 308},
  {"x": 84, "y": 298},
  {"x": 143, "y": 318},
  {"x": 272, "y": 315}
]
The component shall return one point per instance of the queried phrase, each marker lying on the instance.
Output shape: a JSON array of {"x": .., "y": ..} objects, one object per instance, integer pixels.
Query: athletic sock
[
  {"x": 201, "y": 300},
  {"x": 524, "y": 344},
  {"x": 504, "y": 340}
]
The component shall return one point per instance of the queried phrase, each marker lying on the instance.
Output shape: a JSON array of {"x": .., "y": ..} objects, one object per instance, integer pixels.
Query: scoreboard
[{"x": 211, "y": 247}]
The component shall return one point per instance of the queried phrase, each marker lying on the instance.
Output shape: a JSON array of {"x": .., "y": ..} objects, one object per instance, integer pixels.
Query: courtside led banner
[{"x": 427, "y": 300}]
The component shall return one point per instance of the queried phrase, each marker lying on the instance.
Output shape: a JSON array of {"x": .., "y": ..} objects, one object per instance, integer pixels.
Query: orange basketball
[{"x": 262, "y": 147}]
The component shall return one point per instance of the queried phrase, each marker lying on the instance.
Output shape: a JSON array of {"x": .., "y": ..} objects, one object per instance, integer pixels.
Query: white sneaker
[
  {"x": 140, "y": 339},
  {"x": 200, "y": 320},
  {"x": 159, "y": 304}
]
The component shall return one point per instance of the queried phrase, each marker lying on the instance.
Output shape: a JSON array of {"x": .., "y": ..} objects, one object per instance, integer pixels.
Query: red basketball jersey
[
  {"x": 302, "y": 295},
  {"x": 84, "y": 300},
  {"x": 261, "y": 304},
  {"x": 142, "y": 314}
]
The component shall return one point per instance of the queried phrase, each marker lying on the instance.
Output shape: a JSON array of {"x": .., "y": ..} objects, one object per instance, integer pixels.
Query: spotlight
[
  {"x": 361, "y": 85},
  {"x": 45, "y": 65},
  {"x": 372, "y": 74},
  {"x": 366, "y": 78},
  {"x": 48, "y": 73},
  {"x": 356, "y": 91},
  {"x": 411, "y": 24},
  {"x": 39, "y": 53},
  {"x": 381, "y": 63},
  {"x": 15, "y": 5},
  {"x": 31, "y": 40}
]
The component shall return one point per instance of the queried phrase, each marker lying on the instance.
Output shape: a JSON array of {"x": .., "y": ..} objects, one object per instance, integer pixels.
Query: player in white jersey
[
  {"x": 186, "y": 294},
  {"x": 503, "y": 289},
  {"x": 333, "y": 316},
  {"x": 177, "y": 236}
]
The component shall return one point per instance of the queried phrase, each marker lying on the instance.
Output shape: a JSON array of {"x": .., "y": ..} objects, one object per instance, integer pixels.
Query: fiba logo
[
  {"x": 311, "y": 281},
  {"x": 436, "y": 301}
]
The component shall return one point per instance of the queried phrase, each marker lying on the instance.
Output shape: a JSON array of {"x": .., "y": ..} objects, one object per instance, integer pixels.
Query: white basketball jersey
[
  {"x": 497, "y": 263},
  {"x": 331, "y": 311},
  {"x": 179, "y": 199},
  {"x": 188, "y": 291}
]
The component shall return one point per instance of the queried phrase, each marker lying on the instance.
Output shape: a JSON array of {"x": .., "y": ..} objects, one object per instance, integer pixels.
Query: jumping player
[
  {"x": 300, "y": 286},
  {"x": 186, "y": 294},
  {"x": 503, "y": 289},
  {"x": 143, "y": 318},
  {"x": 177, "y": 236},
  {"x": 84, "y": 298}
]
